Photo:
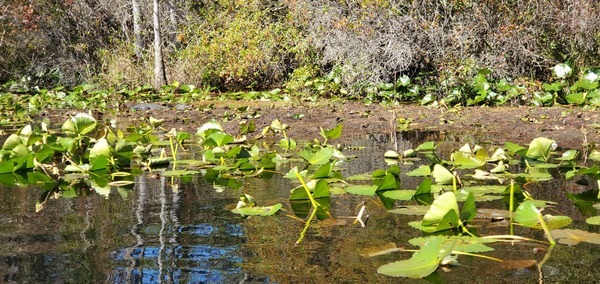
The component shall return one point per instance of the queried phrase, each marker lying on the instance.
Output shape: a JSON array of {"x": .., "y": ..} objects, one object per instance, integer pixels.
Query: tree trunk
[
  {"x": 173, "y": 23},
  {"x": 137, "y": 27},
  {"x": 160, "y": 78}
]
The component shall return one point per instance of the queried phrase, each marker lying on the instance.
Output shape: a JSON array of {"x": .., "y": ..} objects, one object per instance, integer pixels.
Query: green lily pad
[
  {"x": 463, "y": 160},
  {"x": 463, "y": 243},
  {"x": 399, "y": 194},
  {"x": 411, "y": 210},
  {"x": 258, "y": 211},
  {"x": 593, "y": 220},
  {"x": 423, "y": 262},
  {"x": 359, "y": 189},
  {"x": 421, "y": 171}
]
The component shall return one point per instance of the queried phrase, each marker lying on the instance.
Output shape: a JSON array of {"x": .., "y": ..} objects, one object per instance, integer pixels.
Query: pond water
[{"x": 179, "y": 230}]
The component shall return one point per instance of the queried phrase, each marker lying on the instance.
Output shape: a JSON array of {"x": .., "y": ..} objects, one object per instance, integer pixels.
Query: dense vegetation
[{"x": 374, "y": 49}]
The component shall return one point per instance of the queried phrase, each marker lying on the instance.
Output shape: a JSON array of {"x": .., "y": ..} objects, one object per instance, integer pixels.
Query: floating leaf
[
  {"x": 421, "y": 171},
  {"x": 361, "y": 189},
  {"x": 399, "y": 194},
  {"x": 593, "y": 220},
  {"x": 423, "y": 262},
  {"x": 463, "y": 243},
  {"x": 258, "y": 211},
  {"x": 427, "y": 146},
  {"x": 573, "y": 237},
  {"x": 379, "y": 250},
  {"x": 411, "y": 210}
]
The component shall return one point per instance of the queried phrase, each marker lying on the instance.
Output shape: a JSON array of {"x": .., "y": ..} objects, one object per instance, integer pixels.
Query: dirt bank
[{"x": 570, "y": 127}]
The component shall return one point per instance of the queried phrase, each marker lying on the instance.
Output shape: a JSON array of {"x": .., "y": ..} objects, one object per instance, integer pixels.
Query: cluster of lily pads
[
  {"x": 85, "y": 155},
  {"x": 465, "y": 178}
]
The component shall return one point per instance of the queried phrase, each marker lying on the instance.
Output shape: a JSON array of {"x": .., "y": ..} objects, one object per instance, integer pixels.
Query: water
[{"x": 165, "y": 230}]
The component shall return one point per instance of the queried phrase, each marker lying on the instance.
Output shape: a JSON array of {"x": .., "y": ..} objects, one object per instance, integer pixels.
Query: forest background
[{"x": 342, "y": 48}]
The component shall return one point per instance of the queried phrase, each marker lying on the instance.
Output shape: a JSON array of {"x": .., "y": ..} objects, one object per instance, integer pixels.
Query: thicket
[{"x": 335, "y": 48}]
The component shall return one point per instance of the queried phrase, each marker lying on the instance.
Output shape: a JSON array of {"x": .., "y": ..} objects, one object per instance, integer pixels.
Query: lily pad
[
  {"x": 361, "y": 189},
  {"x": 593, "y": 220},
  {"x": 258, "y": 211},
  {"x": 573, "y": 237},
  {"x": 399, "y": 194},
  {"x": 421, "y": 264}
]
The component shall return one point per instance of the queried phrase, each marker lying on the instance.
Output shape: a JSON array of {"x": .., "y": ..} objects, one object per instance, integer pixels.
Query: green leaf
[
  {"x": 361, "y": 189},
  {"x": 527, "y": 214},
  {"x": 101, "y": 148},
  {"x": 100, "y": 163},
  {"x": 568, "y": 155},
  {"x": 11, "y": 142},
  {"x": 539, "y": 148},
  {"x": 318, "y": 158},
  {"x": 469, "y": 210},
  {"x": 411, "y": 210},
  {"x": 421, "y": 171},
  {"x": 514, "y": 148},
  {"x": 399, "y": 194},
  {"x": 334, "y": 133},
  {"x": 575, "y": 98},
  {"x": 218, "y": 139},
  {"x": 439, "y": 209},
  {"x": 441, "y": 175},
  {"x": 464, "y": 160},
  {"x": 424, "y": 187},
  {"x": 388, "y": 182},
  {"x": 426, "y": 146},
  {"x": 324, "y": 171},
  {"x": 423, "y": 262},
  {"x": 321, "y": 189},
  {"x": 593, "y": 220},
  {"x": 81, "y": 124},
  {"x": 258, "y": 211}
]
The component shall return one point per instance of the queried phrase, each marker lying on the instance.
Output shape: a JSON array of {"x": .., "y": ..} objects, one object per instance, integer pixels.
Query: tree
[
  {"x": 160, "y": 78},
  {"x": 137, "y": 27}
]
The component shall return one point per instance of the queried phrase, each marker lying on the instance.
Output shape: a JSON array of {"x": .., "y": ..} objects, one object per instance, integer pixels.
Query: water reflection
[
  {"x": 174, "y": 241},
  {"x": 177, "y": 231}
]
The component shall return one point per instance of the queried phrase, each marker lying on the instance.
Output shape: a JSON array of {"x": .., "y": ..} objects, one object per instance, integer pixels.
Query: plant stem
[
  {"x": 543, "y": 223},
  {"x": 511, "y": 206},
  {"x": 313, "y": 202}
]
